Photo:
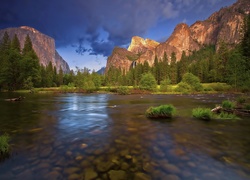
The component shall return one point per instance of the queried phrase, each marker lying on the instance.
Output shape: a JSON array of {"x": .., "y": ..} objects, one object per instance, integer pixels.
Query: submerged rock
[
  {"x": 142, "y": 176},
  {"x": 117, "y": 175},
  {"x": 90, "y": 174}
]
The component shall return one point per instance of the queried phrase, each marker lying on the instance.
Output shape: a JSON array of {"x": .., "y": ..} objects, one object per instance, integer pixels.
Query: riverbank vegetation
[{"x": 4, "y": 146}]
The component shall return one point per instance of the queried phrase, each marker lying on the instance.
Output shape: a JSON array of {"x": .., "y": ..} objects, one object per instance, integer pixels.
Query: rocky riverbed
[{"x": 93, "y": 141}]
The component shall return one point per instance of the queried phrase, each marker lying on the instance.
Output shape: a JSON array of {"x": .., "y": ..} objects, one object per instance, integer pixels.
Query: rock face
[
  {"x": 223, "y": 25},
  {"x": 43, "y": 45}
]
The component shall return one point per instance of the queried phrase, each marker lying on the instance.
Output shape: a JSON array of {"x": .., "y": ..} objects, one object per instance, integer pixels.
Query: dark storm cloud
[{"x": 83, "y": 23}]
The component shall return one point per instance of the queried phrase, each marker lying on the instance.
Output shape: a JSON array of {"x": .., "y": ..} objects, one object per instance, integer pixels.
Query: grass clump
[
  {"x": 163, "y": 111},
  {"x": 225, "y": 115},
  {"x": 241, "y": 100},
  {"x": 4, "y": 145},
  {"x": 202, "y": 113},
  {"x": 228, "y": 104}
]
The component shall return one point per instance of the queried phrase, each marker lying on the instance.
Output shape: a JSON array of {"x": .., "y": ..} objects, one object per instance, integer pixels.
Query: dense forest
[{"x": 20, "y": 68}]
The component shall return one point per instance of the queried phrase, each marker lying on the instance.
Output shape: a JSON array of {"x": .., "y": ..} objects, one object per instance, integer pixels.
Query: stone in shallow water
[
  {"x": 142, "y": 176},
  {"x": 69, "y": 153},
  {"x": 117, "y": 175},
  {"x": 148, "y": 167},
  {"x": 104, "y": 166},
  {"x": 18, "y": 169},
  {"x": 158, "y": 152},
  {"x": 53, "y": 175},
  {"x": 124, "y": 166},
  {"x": 74, "y": 177},
  {"x": 83, "y": 146},
  {"x": 171, "y": 168},
  {"x": 79, "y": 158},
  {"x": 71, "y": 170},
  {"x": 27, "y": 174},
  {"x": 46, "y": 152},
  {"x": 90, "y": 174},
  {"x": 171, "y": 177}
]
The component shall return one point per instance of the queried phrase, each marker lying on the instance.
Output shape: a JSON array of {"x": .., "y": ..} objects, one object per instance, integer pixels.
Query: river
[{"x": 105, "y": 136}]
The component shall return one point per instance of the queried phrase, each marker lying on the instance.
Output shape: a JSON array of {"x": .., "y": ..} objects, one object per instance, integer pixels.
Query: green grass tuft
[
  {"x": 224, "y": 115},
  {"x": 4, "y": 145},
  {"x": 228, "y": 104},
  {"x": 163, "y": 111},
  {"x": 202, "y": 113}
]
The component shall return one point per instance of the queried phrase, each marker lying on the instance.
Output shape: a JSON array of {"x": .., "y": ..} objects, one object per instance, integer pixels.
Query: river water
[{"x": 103, "y": 136}]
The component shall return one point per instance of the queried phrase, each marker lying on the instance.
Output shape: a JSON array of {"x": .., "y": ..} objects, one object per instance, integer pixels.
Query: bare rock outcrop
[
  {"x": 224, "y": 25},
  {"x": 43, "y": 45}
]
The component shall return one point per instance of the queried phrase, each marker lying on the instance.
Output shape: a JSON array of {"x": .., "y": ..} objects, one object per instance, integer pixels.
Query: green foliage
[
  {"x": 225, "y": 115},
  {"x": 247, "y": 106},
  {"x": 123, "y": 90},
  {"x": 228, "y": 104},
  {"x": 165, "y": 85},
  {"x": 173, "y": 69},
  {"x": 148, "y": 82},
  {"x": 220, "y": 87},
  {"x": 193, "y": 81},
  {"x": 163, "y": 111},
  {"x": 183, "y": 88},
  {"x": 67, "y": 88},
  {"x": 208, "y": 88},
  {"x": 202, "y": 113},
  {"x": 28, "y": 84},
  {"x": 4, "y": 145},
  {"x": 241, "y": 99}
]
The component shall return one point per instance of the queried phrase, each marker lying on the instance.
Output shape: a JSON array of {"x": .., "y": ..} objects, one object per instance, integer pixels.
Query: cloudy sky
[{"x": 86, "y": 31}]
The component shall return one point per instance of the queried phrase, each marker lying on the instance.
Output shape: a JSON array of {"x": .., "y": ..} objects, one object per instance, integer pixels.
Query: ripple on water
[{"x": 80, "y": 137}]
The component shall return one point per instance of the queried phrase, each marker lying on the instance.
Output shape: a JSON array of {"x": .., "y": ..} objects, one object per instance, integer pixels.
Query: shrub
[
  {"x": 220, "y": 86},
  {"x": 228, "y": 104},
  {"x": 183, "y": 87},
  {"x": 148, "y": 82},
  {"x": 163, "y": 111},
  {"x": 202, "y": 113},
  {"x": 193, "y": 81},
  {"x": 123, "y": 90},
  {"x": 208, "y": 88},
  {"x": 165, "y": 85},
  {"x": 4, "y": 145}
]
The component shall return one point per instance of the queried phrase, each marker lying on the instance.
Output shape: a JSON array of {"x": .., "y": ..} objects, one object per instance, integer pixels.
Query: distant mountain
[
  {"x": 43, "y": 45},
  {"x": 224, "y": 25},
  {"x": 101, "y": 71}
]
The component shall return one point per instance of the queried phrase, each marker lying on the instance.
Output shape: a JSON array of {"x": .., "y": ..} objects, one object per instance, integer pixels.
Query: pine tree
[
  {"x": 27, "y": 45},
  {"x": 173, "y": 69},
  {"x": 156, "y": 68},
  {"x": 15, "y": 44},
  {"x": 30, "y": 67},
  {"x": 245, "y": 43}
]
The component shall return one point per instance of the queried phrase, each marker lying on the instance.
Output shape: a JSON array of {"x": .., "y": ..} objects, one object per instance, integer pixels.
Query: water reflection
[{"x": 74, "y": 136}]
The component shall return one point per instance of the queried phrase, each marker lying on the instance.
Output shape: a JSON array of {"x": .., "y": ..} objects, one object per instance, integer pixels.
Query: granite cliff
[
  {"x": 223, "y": 25},
  {"x": 43, "y": 45}
]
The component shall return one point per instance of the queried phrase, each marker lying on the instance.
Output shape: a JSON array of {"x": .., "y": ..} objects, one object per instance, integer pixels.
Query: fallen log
[
  {"x": 14, "y": 99},
  {"x": 236, "y": 111}
]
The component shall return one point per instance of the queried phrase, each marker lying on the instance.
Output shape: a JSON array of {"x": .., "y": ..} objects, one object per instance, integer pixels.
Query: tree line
[
  {"x": 227, "y": 65},
  {"x": 20, "y": 68}
]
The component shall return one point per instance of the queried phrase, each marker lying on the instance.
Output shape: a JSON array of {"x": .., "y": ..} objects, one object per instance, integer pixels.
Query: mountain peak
[
  {"x": 43, "y": 45},
  {"x": 140, "y": 45},
  {"x": 223, "y": 25}
]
